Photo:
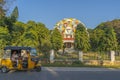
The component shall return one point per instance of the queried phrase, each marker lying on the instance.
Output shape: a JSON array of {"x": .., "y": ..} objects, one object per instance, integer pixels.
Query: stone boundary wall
[{"x": 102, "y": 63}]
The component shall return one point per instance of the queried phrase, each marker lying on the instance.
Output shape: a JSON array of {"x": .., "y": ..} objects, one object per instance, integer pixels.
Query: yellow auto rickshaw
[{"x": 20, "y": 58}]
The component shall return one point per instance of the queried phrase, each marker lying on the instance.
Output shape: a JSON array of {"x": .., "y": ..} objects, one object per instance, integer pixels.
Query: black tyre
[
  {"x": 38, "y": 69},
  {"x": 4, "y": 69}
]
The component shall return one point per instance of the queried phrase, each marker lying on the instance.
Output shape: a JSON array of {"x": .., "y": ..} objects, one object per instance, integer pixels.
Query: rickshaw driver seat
[
  {"x": 24, "y": 56},
  {"x": 25, "y": 63},
  {"x": 14, "y": 59}
]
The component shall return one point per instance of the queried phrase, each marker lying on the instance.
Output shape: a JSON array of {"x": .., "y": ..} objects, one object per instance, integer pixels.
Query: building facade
[{"x": 67, "y": 28}]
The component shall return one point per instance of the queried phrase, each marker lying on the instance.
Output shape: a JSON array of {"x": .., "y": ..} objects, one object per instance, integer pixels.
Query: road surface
[{"x": 63, "y": 73}]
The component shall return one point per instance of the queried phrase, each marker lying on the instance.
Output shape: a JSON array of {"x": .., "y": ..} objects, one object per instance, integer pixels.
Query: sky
[{"x": 49, "y": 12}]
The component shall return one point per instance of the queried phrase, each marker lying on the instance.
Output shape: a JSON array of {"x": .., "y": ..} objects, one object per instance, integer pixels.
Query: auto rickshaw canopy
[{"x": 17, "y": 48}]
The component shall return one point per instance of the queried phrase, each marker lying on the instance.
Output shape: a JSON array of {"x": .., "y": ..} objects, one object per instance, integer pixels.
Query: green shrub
[{"x": 77, "y": 62}]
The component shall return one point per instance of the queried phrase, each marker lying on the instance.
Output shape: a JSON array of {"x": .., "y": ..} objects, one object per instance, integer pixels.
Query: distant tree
[
  {"x": 90, "y": 30},
  {"x": 6, "y": 24},
  {"x": 4, "y": 37},
  {"x": 108, "y": 40},
  {"x": 116, "y": 26},
  {"x": 37, "y": 35},
  {"x": 82, "y": 38},
  {"x": 15, "y": 14},
  {"x": 56, "y": 39},
  {"x": 4, "y": 7},
  {"x": 9, "y": 24},
  {"x": 43, "y": 36},
  {"x": 2, "y": 11},
  {"x": 95, "y": 36},
  {"x": 17, "y": 33}
]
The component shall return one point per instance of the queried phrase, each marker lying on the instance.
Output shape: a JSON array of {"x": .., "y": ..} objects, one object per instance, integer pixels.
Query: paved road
[{"x": 56, "y": 73}]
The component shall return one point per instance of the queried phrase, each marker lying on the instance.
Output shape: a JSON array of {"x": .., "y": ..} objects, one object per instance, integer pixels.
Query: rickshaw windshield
[
  {"x": 7, "y": 54},
  {"x": 33, "y": 52}
]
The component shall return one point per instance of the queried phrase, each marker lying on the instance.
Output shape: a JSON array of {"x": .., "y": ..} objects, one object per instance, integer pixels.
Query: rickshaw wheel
[
  {"x": 38, "y": 69},
  {"x": 4, "y": 69}
]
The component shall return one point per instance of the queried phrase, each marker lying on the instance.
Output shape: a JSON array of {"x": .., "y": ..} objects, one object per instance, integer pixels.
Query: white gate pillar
[
  {"x": 112, "y": 56},
  {"x": 52, "y": 56},
  {"x": 81, "y": 56}
]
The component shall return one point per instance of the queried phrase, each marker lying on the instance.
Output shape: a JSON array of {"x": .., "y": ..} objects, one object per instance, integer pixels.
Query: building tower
[{"x": 67, "y": 28}]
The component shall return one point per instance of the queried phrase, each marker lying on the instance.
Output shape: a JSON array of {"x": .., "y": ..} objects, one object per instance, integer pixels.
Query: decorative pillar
[
  {"x": 112, "y": 56},
  {"x": 81, "y": 56},
  {"x": 52, "y": 56}
]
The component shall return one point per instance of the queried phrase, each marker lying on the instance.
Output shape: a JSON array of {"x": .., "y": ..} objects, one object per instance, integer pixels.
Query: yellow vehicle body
[{"x": 32, "y": 62}]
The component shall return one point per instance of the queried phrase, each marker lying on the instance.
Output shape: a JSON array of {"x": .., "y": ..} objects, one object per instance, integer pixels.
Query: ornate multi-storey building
[{"x": 67, "y": 28}]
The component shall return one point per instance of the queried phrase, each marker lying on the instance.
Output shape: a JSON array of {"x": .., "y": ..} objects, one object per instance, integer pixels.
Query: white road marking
[{"x": 52, "y": 71}]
